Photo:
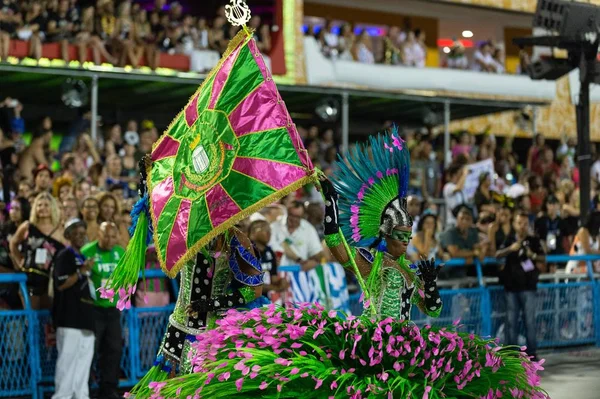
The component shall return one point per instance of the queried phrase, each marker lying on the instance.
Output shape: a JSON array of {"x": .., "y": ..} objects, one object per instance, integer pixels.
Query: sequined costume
[
  {"x": 212, "y": 283},
  {"x": 372, "y": 208},
  {"x": 309, "y": 352},
  {"x": 225, "y": 274}
]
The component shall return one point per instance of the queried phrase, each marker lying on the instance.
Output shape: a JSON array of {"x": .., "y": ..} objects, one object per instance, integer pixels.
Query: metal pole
[
  {"x": 94, "y": 127},
  {"x": 584, "y": 157},
  {"x": 447, "y": 158},
  {"x": 345, "y": 121}
]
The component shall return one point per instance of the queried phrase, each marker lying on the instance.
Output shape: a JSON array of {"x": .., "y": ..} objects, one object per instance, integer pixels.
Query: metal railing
[{"x": 568, "y": 313}]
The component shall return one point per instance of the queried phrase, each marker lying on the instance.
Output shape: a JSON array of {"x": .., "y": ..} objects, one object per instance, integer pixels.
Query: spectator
[
  {"x": 524, "y": 62},
  {"x": 464, "y": 147},
  {"x": 327, "y": 140},
  {"x": 498, "y": 56},
  {"x": 585, "y": 243},
  {"x": 34, "y": 29},
  {"x": 69, "y": 209},
  {"x": 73, "y": 316},
  {"x": 535, "y": 152},
  {"x": 330, "y": 157},
  {"x": 392, "y": 55},
  {"x": 501, "y": 228},
  {"x": 524, "y": 260},
  {"x": 537, "y": 194},
  {"x": 453, "y": 191},
  {"x": 114, "y": 170},
  {"x": 296, "y": 239},
  {"x": 549, "y": 227},
  {"x": 201, "y": 34},
  {"x": 42, "y": 178},
  {"x": 483, "y": 59},
  {"x": 108, "y": 208},
  {"x": 106, "y": 254},
  {"x": 414, "y": 206},
  {"x": 37, "y": 153},
  {"x": 106, "y": 22},
  {"x": 86, "y": 151},
  {"x": 34, "y": 246},
  {"x": 81, "y": 190},
  {"x": 260, "y": 235},
  {"x": 89, "y": 211},
  {"x": 363, "y": 48},
  {"x": 425, "y": 162},
  {"x": 97, "y": 175},
  {"x": 262, "y": 34},
  {"x": 25, "y": 189},
  {"x": 328, "y": 40},
  {"x": 462, "y": 240},
  {"x": 218, "y": 41},
  {"x": 73, "y": 167},
  {"x": 10, "y": 18},
  {"x": 314, "y": 215},
  {"x": 424, "y": 245},
  {"x": 147, "y": 34},
  {"x": 457, "y": 58},
  {"x": 346, "y": 42},
  {"x": 483, "y": 194},
  {"x": 61, "y": 28},
  {"x": 18, "y": 213},
  {"x": 62, "y": 188},
  {"x": 414, "y": 50},
  {"x": 88, "y": 37}
]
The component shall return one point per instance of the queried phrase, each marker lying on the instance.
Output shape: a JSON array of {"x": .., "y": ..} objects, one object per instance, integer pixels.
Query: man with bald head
[{"x": 106, "y": 254}]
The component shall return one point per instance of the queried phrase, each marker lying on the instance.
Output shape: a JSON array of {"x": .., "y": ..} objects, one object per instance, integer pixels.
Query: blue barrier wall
[{"x": 568, "y": 313}]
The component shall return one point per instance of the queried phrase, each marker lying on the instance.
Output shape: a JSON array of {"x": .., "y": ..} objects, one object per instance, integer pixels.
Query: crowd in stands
[
  {"x": 400, "y": 47},
  {"x": 97, "y": 181},
  {"x": 121, "y": 32},
  {"x": 72, "y": 202},
  {"x": 351, "y": 44}
]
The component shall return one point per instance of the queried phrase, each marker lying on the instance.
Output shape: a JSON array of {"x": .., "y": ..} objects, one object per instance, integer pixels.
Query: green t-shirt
[{"x": 105, "y": 264}]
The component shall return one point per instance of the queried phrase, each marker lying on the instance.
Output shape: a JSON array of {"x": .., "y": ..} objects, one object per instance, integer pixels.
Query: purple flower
[{"x": 238, "y": 383}]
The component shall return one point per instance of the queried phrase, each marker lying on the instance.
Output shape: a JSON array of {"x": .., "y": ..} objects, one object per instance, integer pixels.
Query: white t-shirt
[
  {"x": 452, "y": 199},
  {"x": 305, "y": 240},
  {"x": 485, "y": 59},
  {"x": 596, "y": 171}
]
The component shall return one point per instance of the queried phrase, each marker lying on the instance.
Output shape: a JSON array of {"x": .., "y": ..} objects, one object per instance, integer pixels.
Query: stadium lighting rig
[{"x": 574, "y": 29}]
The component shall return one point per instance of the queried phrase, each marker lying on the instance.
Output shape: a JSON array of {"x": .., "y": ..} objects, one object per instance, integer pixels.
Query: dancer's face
[{"x": 397, "y": 242}]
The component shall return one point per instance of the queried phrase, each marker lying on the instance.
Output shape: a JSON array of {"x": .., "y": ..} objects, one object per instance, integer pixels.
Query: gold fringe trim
[
  {"x": 192, "y": 251},
  {"x": 241, "y": 37}
]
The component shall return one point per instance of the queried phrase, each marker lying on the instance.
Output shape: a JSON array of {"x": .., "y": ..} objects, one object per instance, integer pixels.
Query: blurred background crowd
[
  {"x": 404, "y": 47},
  {"x": 46, "y": 182},
  {"x": 129, "y": 33},
  {"x": 120, "y": 32}
]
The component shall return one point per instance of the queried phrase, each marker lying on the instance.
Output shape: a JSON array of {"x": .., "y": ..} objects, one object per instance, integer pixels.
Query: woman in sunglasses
[{"x": 366, "y": 205}]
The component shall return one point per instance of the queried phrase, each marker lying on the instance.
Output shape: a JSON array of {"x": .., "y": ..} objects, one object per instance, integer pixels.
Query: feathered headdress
[{"x": 372, "y": 181}]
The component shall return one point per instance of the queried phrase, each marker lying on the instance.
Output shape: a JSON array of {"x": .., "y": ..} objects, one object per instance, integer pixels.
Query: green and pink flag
[{"x": 232, "y": 150}]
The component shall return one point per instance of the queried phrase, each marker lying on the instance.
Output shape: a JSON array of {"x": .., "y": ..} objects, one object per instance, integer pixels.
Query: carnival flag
[{"x": 232, "y": 150}]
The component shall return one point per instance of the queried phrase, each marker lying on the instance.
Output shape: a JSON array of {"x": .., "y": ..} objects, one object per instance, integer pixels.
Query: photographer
[
  {"x": 73, "y": 315},
  {"x": 524, "y": 259}
]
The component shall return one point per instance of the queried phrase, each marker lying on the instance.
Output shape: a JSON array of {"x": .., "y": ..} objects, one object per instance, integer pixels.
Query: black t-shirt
[
  {"x": 73, "y": 307},
  {"x": 8, "y": 8},
  {"x": 40, "y": 21},
  {"x": 514, "y": 276},
  {"x": 552, "y": 232},
  {"x": 268, "y": 262},
  {"x": 62, "y": 23}
]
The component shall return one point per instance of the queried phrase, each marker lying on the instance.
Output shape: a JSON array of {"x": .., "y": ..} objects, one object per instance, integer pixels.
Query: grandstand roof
[{"x": 139, "y": 95}]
